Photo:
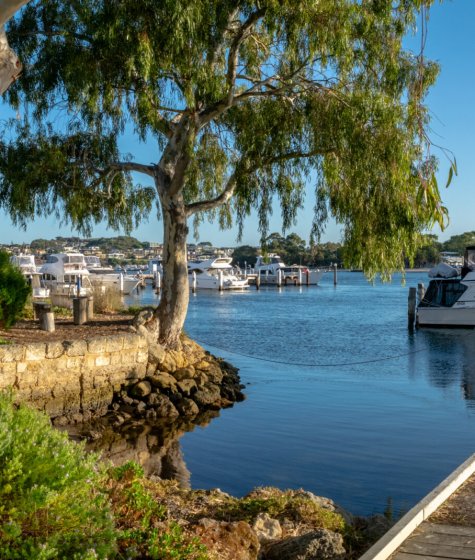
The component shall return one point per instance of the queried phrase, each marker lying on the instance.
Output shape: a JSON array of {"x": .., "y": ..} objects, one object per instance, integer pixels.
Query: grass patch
[{"x": 107, "y": 300}]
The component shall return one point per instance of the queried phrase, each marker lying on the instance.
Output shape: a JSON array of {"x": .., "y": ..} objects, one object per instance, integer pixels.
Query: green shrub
[
  {"x": 14, "y": 291},
  {"x": 52, "y": 501}
]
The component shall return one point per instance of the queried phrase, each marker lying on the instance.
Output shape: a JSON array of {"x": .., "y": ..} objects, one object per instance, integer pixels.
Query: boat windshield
[
  {"x": 73, "y": 259},
  {"x": 443, "y": 293}
]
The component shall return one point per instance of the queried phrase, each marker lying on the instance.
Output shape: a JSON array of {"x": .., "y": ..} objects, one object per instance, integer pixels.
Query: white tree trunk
[
  {"x": 174, "y": 300},
  {"x": 10, "y": 66}
]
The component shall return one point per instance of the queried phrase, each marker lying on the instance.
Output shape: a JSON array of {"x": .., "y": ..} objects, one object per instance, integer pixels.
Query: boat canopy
[{"x": 443, "y": 270}]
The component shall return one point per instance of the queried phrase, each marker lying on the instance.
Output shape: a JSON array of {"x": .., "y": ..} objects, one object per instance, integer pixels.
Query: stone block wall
[{"x": 74, "y": 379}]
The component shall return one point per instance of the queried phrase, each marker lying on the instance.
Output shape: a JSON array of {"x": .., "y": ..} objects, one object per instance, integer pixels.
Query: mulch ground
[
  {"x": 27, "y": 331},
  {"x": 459, "y": 509}
]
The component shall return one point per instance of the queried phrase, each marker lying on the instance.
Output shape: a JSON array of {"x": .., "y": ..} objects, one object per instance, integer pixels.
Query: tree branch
[
  {"x": 212, "y": 203},
  {"x": 228, "y": 191},
  {"x": 8, "y": 8},
  {"x": 216, "y": 109},
  {"x": 131, "y": 166},
  {"x": 10, "y": 66}
]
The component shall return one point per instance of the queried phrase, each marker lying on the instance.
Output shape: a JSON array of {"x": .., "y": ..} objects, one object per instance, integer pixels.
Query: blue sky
[{"x": 451, "y": 43}]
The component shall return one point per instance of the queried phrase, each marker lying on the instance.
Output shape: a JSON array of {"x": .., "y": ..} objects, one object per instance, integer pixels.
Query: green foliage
[
  {"x": 139, "y": 510},
  {"x": 243, "y": 254},
  {"x": 457, "y": 243},
  {"x": 122, "y": 243},
  {"x": 282, "y": 505},
  {"x": 428, "y": 254},
  {"x": 14, "y": 291},
  {"x": 51, "y": 502},
  {"x": 175, "y": 545}
]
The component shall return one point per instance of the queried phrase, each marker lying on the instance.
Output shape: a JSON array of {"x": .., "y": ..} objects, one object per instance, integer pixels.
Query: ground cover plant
[{"x": 52, "y": 504}]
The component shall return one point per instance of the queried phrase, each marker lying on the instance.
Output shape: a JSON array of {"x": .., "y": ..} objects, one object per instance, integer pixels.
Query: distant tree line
[
  {"x": 293, "y": 250},
  {"x": 121, "y": 243}
]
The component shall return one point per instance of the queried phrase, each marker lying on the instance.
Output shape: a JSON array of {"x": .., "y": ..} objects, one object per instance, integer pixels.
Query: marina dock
[{"x": 440, "y": 527}]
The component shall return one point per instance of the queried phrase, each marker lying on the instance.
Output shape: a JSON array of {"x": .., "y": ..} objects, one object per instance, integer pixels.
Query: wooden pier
[{"x": 440, "y": 527}]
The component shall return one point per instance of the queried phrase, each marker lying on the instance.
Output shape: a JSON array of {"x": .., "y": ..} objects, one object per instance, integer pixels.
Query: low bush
[
  {"x": 52, "y": 498},
  {"x": 14, "y": 291},
  {"x": 59, "y": 502}
]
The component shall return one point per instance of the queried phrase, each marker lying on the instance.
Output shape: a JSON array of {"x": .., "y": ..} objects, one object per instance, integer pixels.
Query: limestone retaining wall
[{"x": 75, "y": 379}]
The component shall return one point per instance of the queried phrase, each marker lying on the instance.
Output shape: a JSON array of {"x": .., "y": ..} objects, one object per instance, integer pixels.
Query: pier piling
[
  {"x": 80, "y": 310},
  {"x": 411, "y": 308}
]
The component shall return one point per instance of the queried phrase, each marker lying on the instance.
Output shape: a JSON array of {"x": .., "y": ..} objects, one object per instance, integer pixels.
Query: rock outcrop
[{"x": 178, "y": 382}]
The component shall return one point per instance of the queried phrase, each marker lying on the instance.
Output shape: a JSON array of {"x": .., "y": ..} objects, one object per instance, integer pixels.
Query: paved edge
[{"x": 390, "y": 541}]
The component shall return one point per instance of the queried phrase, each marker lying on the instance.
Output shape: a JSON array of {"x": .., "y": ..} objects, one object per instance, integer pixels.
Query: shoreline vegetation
[{"x": 59, "y": 501}]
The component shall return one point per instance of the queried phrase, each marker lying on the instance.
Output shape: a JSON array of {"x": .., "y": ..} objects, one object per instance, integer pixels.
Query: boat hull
[
  {"x": 114, "y": 282},
  {"x": 213, "y": 284},
  {"x": 312, "y": 278},
  {"x": 445, "y": 317}
]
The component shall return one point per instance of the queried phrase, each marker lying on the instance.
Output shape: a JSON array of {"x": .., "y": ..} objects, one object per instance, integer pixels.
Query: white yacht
[
  {"x": 109, "y": 278},
  {"x": 215, "y": 274},
  {"x": 268, "y": 270},
  {"x": 66, "y": 276},
  {"x": 27, "y": 266},
  {"x": 450, "y": 299}
]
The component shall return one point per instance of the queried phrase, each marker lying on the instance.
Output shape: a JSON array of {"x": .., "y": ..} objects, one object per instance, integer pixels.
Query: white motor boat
[
  {"x": 270, "y": 268},
  {"x": 450, "y": 299},
  {"x": 108, "y": 278},
  {"x": 215, "y": 274},
  {"x": 27, "y": 266},
  {"x": 66, "y": 276}
]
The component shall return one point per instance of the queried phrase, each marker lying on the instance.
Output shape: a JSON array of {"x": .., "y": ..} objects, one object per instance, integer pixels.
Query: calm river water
[{"x": 341, "y": 399}]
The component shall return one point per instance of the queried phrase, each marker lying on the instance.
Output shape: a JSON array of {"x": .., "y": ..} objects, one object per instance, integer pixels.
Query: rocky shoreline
[{"x": 183, "y": 382}]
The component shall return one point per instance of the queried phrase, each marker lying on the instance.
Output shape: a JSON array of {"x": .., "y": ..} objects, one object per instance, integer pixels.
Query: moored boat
[
  {"x": 450, "y": 299},
  {"x": 27, "y": 266},
  {"x": 66, "y": 276},
  {"x": 215, "y": 274},
  {"x": 272, "y": 270},
  {"x": 110, "y": 279}
]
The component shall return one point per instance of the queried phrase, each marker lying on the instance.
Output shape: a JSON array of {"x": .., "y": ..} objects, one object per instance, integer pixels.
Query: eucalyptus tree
[
  {"x": 10, "y": 66},
  {"x": 244, "y": 103}
]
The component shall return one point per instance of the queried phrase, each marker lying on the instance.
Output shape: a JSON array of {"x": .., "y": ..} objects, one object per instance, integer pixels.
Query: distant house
[{"x": 115, "y": 255}]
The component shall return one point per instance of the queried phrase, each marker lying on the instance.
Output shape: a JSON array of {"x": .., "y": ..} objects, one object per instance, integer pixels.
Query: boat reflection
[{"x": 451, "y": 357}]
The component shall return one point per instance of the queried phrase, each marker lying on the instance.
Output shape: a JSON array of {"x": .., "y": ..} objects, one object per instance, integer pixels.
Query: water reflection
[
  {"x": 451, "y": 360},
  {"x": 155, "y": 446}
]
